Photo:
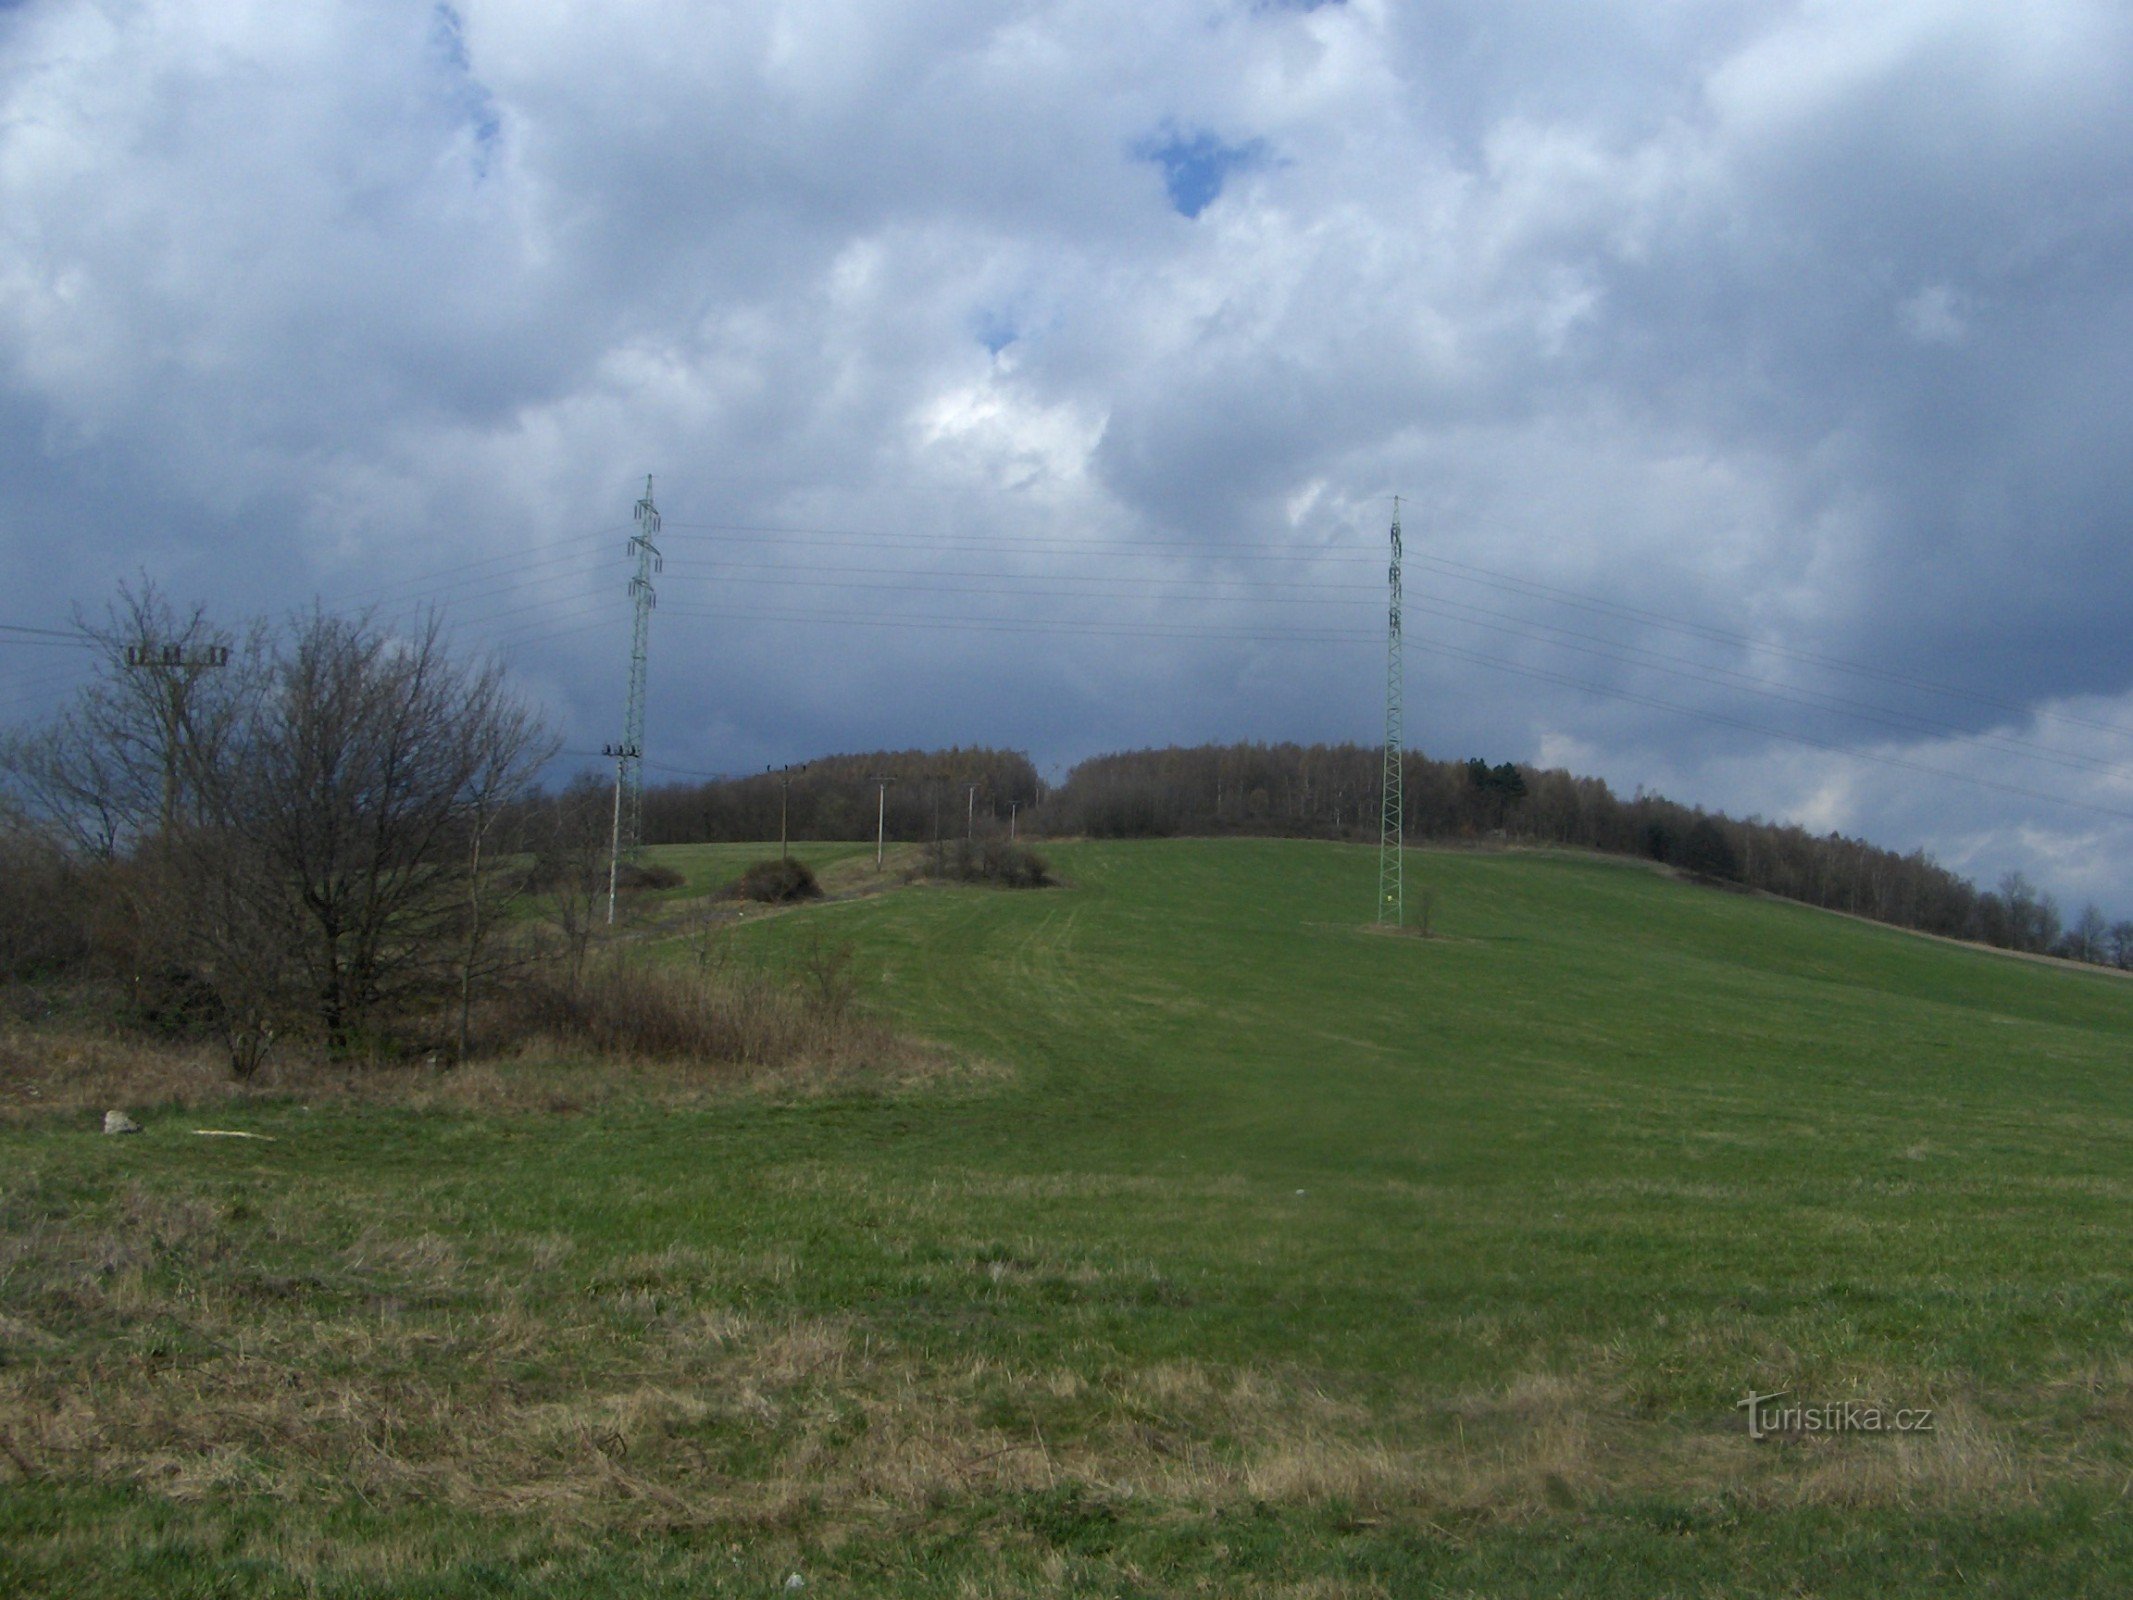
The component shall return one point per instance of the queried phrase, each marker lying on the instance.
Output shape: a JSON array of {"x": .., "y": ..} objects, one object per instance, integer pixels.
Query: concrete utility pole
[
  {"x": 784, "y": 795},
  {"x": 970, "y": 817},
  {"x": 177, "y": 669},
  {"x": 1013, "y": 806},
  {"x": 881, "y": 816},
  {"x": 623, "y": 755}
]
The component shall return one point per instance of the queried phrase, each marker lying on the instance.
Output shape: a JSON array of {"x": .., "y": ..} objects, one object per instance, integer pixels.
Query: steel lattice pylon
[
  {"x": 1392, "y": 902},
  {"x": 628, "y": 756},
  {"x": 632, "y": 754}
]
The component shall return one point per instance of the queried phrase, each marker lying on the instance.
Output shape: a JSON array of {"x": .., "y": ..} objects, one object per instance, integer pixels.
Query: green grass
[{"x": 1254, "y": 1252}]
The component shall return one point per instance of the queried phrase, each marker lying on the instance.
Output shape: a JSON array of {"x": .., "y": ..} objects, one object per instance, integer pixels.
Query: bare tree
[
  {"x": 66, "y": 787},
  {"x": 364, "y": 782},
  {"x": 241, "y": 929},
  {"x": 37, "y": 884},
  {"x": 2033, "y": 918},
  {"x": 2090, "y": 933},
  {"x": 572, "y": 868},
  {"x": 124, "y": 764},
  {"x": 118, "y": 779},
  {"x": 2121, "y": 944},
  {"x": 509, "y": 749}
]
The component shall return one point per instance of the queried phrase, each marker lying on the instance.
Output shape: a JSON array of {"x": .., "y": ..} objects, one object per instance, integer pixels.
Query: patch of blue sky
[
  {"x": 1196, "y": 165},
  {"x": 996, "y": 330},
  {"x": 473, "y": 102}
]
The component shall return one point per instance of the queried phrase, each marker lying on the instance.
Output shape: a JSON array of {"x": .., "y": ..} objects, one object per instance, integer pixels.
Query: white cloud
[{"x": 1778, "y": 320}]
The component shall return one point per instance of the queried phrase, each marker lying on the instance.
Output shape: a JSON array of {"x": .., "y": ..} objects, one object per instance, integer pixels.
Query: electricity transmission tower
[
  {"x": 629, "y": 755},
  {"x": 1391, "y": 887}
]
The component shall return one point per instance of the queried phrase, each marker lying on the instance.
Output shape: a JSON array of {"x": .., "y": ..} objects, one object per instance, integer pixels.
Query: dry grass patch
[
  {"x": 165, "y": 1342},
  {"x": 855, "y": 876},
  {"x": 79, "y": 1075},
  {"x": 45, "y": 1069},
  {"x": 778, "y": 1423},
  {"x": 1964, "y": 1461}
]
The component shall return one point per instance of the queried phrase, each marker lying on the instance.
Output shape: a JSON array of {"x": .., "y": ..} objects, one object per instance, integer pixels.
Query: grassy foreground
[{"x": 1249, "y": 1252}]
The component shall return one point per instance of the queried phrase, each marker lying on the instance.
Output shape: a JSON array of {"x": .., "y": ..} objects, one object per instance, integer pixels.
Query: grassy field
[{"x": 1240, "y": 1250}]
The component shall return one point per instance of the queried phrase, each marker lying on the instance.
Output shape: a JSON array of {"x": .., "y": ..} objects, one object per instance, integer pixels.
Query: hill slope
[{"x": 1274, "y": 1255}]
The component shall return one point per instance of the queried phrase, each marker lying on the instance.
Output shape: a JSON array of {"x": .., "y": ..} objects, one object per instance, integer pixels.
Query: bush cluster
[
  {"x": 328, "y": 835},
  {"x": 655, "y": 1013},
  {"x": 646, "y": 875},
  {"x": 309, "y": 831},
  {"x": 776, "y": 883},
  {"x": 1005, "y": 862},
  {"x": 42, "y": 926}
]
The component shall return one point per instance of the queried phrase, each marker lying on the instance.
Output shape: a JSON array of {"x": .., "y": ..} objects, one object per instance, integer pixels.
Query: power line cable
[
  {"x": 72, "y": 636},
  {"x": 581, "y": 542},
  {"x": 1112, "y": 546},
  {"x": 1462, "y": 571},
  {"x": 1476, "y": 657},
  {"x": 1726, "y": 636},
  {"x": 1543, "y": 633}
]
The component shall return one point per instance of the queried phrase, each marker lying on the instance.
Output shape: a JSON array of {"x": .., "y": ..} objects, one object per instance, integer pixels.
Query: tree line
[
  {"x": 1332, "y": 791},
  {"x": 914, "y": 796}
]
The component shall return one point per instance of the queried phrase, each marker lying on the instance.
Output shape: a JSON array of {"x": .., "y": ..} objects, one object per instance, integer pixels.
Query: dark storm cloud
[{"x": 1762, "y": 337}]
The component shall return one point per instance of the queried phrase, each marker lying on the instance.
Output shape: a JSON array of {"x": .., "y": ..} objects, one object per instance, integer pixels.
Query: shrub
[
  {"x": 42, "y": 928},
  {"x": 174, "y": 1003},
  {"x": 776, "y": 883},
  {"x": 638, "y": 1010},
  {"x": 1001, "y": 861},
  {"x": 646, "y": 875},
  {"x": 1015, "y": 865}
]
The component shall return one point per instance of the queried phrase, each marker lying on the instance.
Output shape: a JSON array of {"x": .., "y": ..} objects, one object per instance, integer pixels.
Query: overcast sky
[{"x": 1755, "y": 377}]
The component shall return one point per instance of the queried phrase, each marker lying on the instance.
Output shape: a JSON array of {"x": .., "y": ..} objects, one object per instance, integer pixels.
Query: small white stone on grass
[
  {"x": 119, "y": 1122},
  {"x": 796, "y": 1582}
]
